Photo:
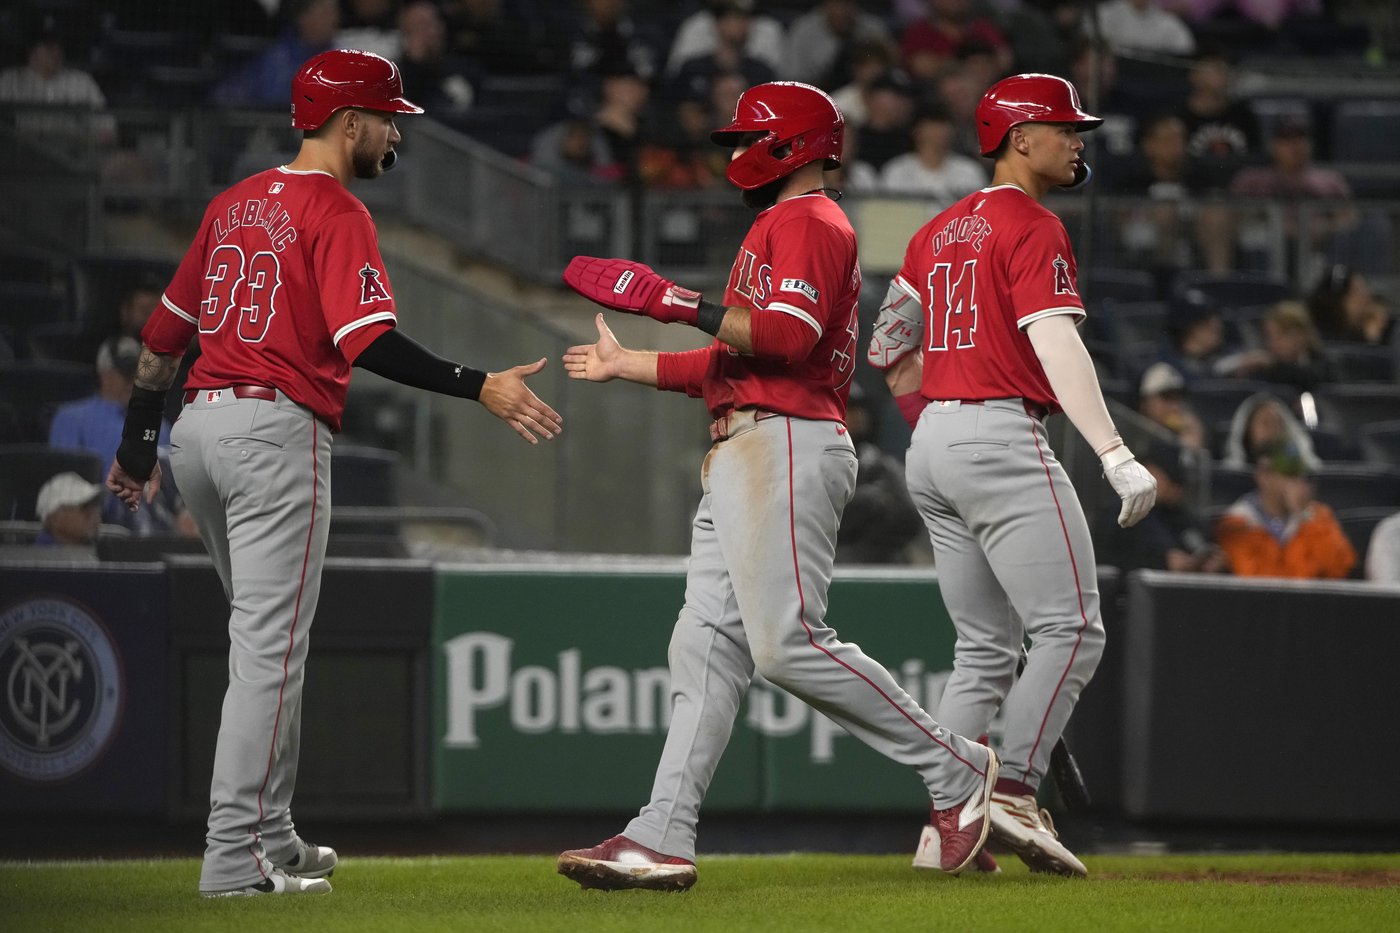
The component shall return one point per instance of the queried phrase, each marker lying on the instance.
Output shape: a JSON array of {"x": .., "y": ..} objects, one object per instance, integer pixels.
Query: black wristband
[
  {"x": 709, "y": 317},
  {"x": 136, "y": 454}
]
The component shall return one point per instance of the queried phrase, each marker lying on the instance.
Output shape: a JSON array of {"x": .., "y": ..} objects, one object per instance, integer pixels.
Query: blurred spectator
[
  {"x": 61, "y": 107},
  {"x": 1344, "y": 308},
  {"x": 929, "y": 45},
  {"x": 1141, "y": 26},
  {"x": 370, "y": 26},
  {"x": 889, "y": 111},
  {"x": 730, "y": 52},
  {"x": 622, "y": 115},
  {"x": 311, "y": 27},
  {"x": 1267, "y": 13},
  {"x": 1196, "y": 344},
  {"x": 881, "y": 520},
  {"x": 1291, "y": 176},
  {"x": 95, "y": 424},
  {"x": 1176, "y": 231},
  {"x": 501, "y": 39},
  {"x": 1279, "y": 529},
  {"x": 136, "y": 306},
  {"x": 1162, "y": 398},
  {"x": 1383, "y": 553},
  {"x": 604, "y": 35},
  {"x": 1093, "y": 70},
  {"x": 819, "y": 42},
  {"x": 1292, "y": 350},
  {"x": 961, "y": 92},
  {"x": 442, "y": 82},
  {"x": 1263, "y": 421},
  {"x": 684, "y": 156},
  {"x": 865, "y": 61},
  {"x": 1172, "y": 536},
  {"x": 933, "y": 169},
  {"x": 1037, "y": 43},
  {"x": 67, "y": 507},
  {"x": 576, "y": 152},
  {"x": 1221, "y": 129},
  {"x": 699, "y": 34}
]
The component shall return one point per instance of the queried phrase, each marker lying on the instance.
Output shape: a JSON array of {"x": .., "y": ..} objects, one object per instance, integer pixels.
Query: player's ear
[
  {"x": 350, "y": 121},
  {"x": 1019, "y": 142}
]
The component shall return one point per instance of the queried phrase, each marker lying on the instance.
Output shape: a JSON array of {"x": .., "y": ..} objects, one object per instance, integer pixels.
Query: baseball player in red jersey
[
  {"x": 782, "y": 468},
  {"x": 987, "y": 297},
  {"x": 286, "y": 288}
]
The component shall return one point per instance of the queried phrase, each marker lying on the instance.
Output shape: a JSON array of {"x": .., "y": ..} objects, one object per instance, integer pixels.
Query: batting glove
[
  {"x": 624, "y": 285},
  {"x": 1134, "y": 485}
]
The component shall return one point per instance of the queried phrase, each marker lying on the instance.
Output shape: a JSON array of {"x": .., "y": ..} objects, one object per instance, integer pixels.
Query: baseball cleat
[
  {"x": 928, "y": 853},
  {"x": 276, "y": 882},
  {"x": 962, "y": 830},
  {"x": 619, "y": 864},
  {"x": 1022, "y": 827},
  {"x": 311, "y": 861}
]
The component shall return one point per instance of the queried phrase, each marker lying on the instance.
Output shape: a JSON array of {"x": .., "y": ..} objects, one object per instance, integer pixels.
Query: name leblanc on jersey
[
  {"x": 608, "y": 700},
  {"x": 973, "y": 229},
  {"x": 256, "y": 213}
]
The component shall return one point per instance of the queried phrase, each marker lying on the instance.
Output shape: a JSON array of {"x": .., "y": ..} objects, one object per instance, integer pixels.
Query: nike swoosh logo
[{"x": 840, "y": 430}]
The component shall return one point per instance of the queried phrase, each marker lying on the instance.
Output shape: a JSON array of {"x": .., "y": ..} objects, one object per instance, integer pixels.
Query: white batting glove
[{"x": 1134, "y": 485}]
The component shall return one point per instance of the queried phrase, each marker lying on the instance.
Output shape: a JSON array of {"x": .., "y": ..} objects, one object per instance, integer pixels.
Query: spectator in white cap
[
  {"x": 69, "y": 508},
  {"x": 1162, "y": 398}
]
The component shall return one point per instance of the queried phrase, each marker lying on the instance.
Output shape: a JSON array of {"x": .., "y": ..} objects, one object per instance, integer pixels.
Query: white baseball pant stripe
[
  {"x": 762, "y": 553},
  {"x": 1014, "y": 558},
  {"x": 256, "y": 476}
]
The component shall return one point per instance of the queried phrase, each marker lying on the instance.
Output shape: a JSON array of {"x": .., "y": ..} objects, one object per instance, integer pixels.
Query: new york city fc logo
[{"x": 63, "y": 689}]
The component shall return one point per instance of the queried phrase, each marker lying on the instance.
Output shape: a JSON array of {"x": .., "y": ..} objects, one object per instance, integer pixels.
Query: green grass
[{"x": 1316, "y": 893}]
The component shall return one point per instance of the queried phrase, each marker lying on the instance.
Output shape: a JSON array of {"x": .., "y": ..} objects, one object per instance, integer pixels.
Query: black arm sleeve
[{"x": 402, "y": 359}]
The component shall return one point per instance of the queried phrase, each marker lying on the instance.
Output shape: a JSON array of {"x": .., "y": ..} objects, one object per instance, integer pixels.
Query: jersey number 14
[{"x": 952, "y": 306}]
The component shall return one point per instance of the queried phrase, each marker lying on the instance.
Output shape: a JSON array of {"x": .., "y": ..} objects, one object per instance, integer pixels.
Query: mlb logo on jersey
[
  {"x": 797, "y": 285},
  {"x": 275, "y": 188},
  {"x": 213, "y": 395}
]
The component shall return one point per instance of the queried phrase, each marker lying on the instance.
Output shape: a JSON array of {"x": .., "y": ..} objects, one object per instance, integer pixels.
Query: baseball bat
[{"x": 1064, "y": 769}]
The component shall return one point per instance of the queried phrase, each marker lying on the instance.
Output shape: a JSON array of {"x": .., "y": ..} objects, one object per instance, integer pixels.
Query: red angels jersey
[
  {"x": 284, "y": 284},
  {"x": 983, "y": 270},
  {"x": 799, "y": 258}
]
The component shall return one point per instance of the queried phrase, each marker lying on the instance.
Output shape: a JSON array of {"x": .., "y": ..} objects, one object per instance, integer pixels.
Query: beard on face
[
  {"x": 764, "y": 196},
  {"x": 367, "y": 164}
]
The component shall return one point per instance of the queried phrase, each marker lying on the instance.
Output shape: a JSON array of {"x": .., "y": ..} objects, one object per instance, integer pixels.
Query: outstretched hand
[
  {"x": 131, "y": 491},
  {"x": 596, "y": 362},
  {"x": 506, "y": 396}
]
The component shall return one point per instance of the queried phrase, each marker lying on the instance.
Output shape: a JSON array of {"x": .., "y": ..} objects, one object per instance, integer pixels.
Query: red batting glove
[{"x": 624, "y": 285}]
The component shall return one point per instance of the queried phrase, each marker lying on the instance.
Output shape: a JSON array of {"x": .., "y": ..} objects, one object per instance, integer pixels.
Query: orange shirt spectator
[{"x": 1279, "y": 530}]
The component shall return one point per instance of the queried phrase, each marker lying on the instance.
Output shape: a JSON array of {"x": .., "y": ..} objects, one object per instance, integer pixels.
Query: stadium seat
[
  {"x": 1236, "y": 289},
  {"x": 1226, "y": 484},
  {"x": 1358, "y": 525},
  {"x": 1365, "y": 130},
  {"x": 363, "y": 476},
  {"x": 65, "y": 342},
  {"x": 1360, "y": 363},
  {"x": 1380, "y": 442},
  {"x": 37, "y": 387},
  {"x": 97, "y": 283},
  {"x": 1358, "y": 485},
  {"x": 1346, "y": 406},
  {"x": 24, "y": 468},
  {"x": 26, "y": 304},
  {"x": 1103, "y": 282}
]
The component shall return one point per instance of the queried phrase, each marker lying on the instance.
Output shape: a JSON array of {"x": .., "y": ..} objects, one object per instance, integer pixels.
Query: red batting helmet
[
  {"x": 345, "y": 78},
  {"x": 789, "y": 114},
  {"x": 1028, "y": 98}
]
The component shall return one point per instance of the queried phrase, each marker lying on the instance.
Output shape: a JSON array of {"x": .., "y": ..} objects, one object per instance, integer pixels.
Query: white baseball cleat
[
  {"x": 310, "y": 861},
  {"x": 619, "y": 863},
  {"x": 1025, "y": 829},
  {"x": 276, "y": 882},
  {"x": 929, "y": 853}
]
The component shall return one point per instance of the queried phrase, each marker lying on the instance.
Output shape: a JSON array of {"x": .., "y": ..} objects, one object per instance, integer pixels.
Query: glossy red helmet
[
  {"x": 800, "y": 124},
  {"x": 345, "y": 78},
  {"x": 1028, "y": 98}
]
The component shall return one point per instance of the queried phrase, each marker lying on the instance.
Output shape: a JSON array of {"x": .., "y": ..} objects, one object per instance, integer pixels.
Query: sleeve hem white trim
[
  {"x": 1030, "y": 319},
  {"x": 178, "y": 311},
  {"x": 356, "y": 325},
  {"x": 797, "y": 313}
]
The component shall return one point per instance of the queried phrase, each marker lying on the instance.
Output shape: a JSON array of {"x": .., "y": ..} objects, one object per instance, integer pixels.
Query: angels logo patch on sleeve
[
  {"x": 1064, "y": 284},
  {"x": 371, "y": 288}
]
